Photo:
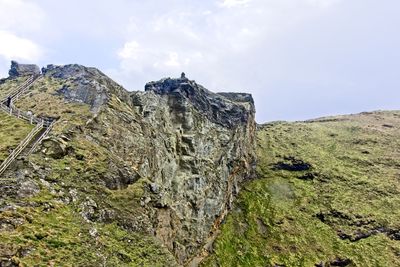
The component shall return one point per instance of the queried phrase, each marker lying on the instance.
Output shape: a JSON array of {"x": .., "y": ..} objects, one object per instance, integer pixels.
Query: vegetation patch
[
  {"x": 342, "y": 211},
  {"x": 54, "y": 234},
  {"x": 8, "y": 85},
  {"x": 43, "y": 100},
  {"x": 12, "y": 132}
]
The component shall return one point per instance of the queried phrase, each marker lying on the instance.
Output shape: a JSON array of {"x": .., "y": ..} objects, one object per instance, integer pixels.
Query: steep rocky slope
[
  {"x": 125, "y": 178},
  {"x": 147, "y": 179},
  {"x": 327, "y": 195}
]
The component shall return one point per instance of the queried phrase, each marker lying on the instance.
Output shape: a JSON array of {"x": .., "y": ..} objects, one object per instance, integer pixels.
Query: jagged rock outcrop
[
  {"x": 86, "y": 85},
  {"x": 17, "y": 69},
  {"x": 194, "y": 146},
  {"x": 203, "y": 150},
  {"x": 182, "y": 150},
  {"x": 214, "y": 106}
]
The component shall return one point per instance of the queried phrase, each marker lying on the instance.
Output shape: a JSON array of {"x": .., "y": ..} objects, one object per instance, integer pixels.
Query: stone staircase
[{"x": 42, "y": 125}]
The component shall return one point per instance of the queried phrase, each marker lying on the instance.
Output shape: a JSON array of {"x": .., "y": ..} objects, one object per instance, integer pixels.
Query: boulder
[{"x": 18, "y": 70}]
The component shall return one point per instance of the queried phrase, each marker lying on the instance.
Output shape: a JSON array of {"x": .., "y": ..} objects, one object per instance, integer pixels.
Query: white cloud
[
  {"x": 322, "y": 3},
  {"x": 14, "y": 47},
  {"x": 20, "y": 15},
  {"x": 192, "y": 39},
  {"x": 266, "y": 47},
  {"x": 279, "y": 50},
  {"x": 20, "y": 20},
  {"x": 173, "y": 60},
  {"x": 234, "y": 3},
  {"x": 130, "y": 50}
]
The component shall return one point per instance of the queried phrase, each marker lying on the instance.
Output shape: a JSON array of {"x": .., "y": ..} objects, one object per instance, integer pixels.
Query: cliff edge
[{"x": 163, "y": 165}]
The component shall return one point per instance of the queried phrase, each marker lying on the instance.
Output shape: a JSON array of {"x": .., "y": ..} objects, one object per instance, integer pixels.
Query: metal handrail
[
  {"x": 20, "y": 114},
  {"x": 25, "y": 87},
  {"x": 15, "y": 153},
  {"x": 21, "y": 88},
  {"x": 40, "y": 139},
  {"x": 40, "y": 124}
]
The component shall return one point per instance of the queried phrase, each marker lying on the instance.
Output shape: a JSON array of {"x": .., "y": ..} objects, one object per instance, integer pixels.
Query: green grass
[
  {"x": 84, "y": 169},
  {"x": 353, "y": 189},
  {"x": 10, "y": 85},
  {"x": 12, "y": 132},
  {"x": 54, "y": 234},
  {"x": 50, "y": 233},
  {"x": 43, "y": 100}
]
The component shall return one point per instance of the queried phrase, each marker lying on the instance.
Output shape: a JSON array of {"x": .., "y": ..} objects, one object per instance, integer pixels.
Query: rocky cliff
[{"x": 166, "y": 163}]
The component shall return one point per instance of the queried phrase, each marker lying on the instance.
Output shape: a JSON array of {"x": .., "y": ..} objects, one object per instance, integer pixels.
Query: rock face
[
  {"x": 203, "y": 150},
  {"x": 87, "y": 85},
  {"x": 214, "y": 106},
  {"x": 183, "y": 150},
  {"x": 17, "y": 69},
  {"x": 195, "y": 147}
]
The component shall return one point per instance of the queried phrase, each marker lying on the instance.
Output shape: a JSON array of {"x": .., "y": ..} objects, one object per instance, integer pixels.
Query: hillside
[
  {"x": 124, "y": 178},
  {"x": 327, "y": 194},
  {"x": 177, "y": 175}
]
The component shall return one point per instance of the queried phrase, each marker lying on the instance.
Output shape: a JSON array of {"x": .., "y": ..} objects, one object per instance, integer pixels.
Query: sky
[{"x": 300, "y": 59}]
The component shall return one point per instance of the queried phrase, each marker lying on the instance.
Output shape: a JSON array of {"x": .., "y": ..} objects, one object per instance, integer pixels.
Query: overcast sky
[{"x": 300, "y": 59}]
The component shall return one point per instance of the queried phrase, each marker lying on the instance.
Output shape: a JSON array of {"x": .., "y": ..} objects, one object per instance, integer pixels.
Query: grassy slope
[
  {"x": 53, "y": 234},
  {"x": 43, "y": 100},
  {"x": 345, "y": 207},
  {"x": 12, "y": 131},
  {"x": 7, "y": 86}
]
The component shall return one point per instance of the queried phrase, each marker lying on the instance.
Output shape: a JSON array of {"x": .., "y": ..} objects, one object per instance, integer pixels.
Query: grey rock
[
  {"x": 28, "y": 188},
  {"x": 219, "y": 108},
  {"x": 88, "y": 209},
  {"x": 55, "y": 147},
  {"x": 74, "y": 195},
  {"x": 154, "y": 188},
  {"x": 203, "y": 149},
  {"x": 18, "y": 70},
  {"x": 93, "y": 232},
  {"x": 86, "y": 85},
  {"x": 190, "y": 148}
]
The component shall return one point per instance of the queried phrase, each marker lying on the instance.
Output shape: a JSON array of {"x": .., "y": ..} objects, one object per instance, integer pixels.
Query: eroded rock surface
[
  {"x": 183, "y": 150},
  {"x": 85, "y": 85},
  {"x": 203, "y": 148},
  {"x": 23, "y": 69}
]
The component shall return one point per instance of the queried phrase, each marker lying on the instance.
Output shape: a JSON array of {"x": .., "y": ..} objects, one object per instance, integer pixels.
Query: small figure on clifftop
[
  {"x": 183, "y": 76},
  {"x": 9, "y": 102}
]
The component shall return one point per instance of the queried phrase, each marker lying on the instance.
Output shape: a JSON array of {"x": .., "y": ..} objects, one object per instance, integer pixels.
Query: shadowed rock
[
  {"x": 225, "y": 109},
  {"x": 18, "y": 70},
  {"x": 87, "y": 85},
  {"x": 292, "y": 164}
]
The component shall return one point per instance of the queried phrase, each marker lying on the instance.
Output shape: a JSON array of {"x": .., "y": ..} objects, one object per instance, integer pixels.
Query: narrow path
[
  {"x": 21, "y": 89},
  {"x": 35, "y": 137}
]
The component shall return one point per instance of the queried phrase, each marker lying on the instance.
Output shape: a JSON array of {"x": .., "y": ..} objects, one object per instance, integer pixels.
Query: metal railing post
[{"x": 40, "y": 124}]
